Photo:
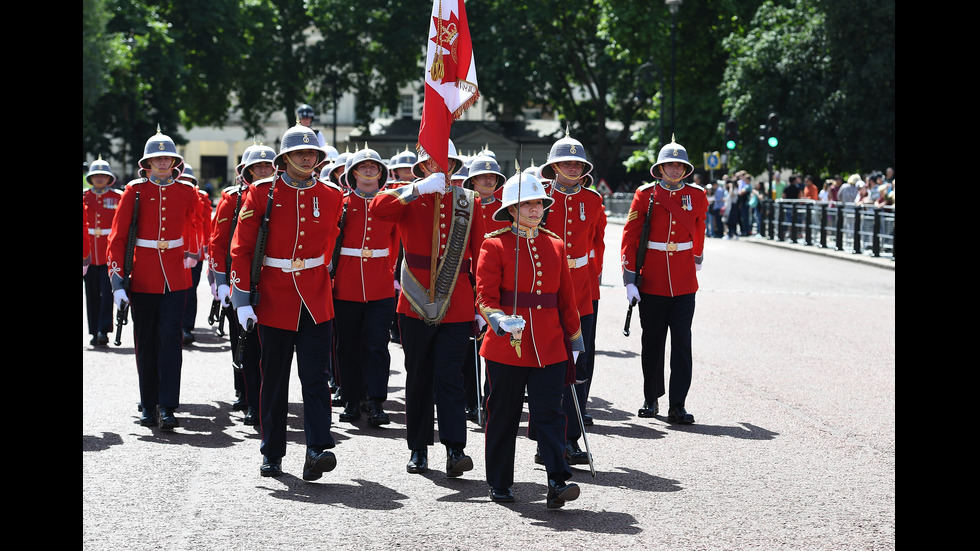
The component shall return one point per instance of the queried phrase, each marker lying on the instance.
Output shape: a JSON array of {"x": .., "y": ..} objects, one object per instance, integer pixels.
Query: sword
[{"x": 581, "y": 424}]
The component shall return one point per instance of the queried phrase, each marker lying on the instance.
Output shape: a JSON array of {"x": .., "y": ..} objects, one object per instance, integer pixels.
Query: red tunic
[
  {"x": 665, "y": 272},
  {"x": 220, "y": 244},
  {"x": 414, "y": 220},
  {"x": 576, "y": 216},
  {"x": 302, "y": 227},
  {"x": 167, "y": 212},
  {"x": 369, "y": 276},
  {"x": 99, "y": 214},
  {"x": 546, "y": 298}
]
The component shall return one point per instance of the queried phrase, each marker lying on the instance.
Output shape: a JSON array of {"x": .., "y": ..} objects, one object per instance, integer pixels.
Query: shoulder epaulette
[
  {"x": 328, "y": 183},
  {"x": 592, "y": 190},
  {"x": 695, "y": 186},
  {"x": 264, "y": 181},
  {"x": 549, "y": 232},
  {"x": 644, "y": 186},
  {"x": 188, "y": 184},
  {"x": 497, "y": 232},
  {"x": 136, "y": 181}
]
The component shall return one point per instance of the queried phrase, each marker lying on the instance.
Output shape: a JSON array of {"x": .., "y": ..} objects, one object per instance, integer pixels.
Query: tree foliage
[{"x": 827, "y": 67}]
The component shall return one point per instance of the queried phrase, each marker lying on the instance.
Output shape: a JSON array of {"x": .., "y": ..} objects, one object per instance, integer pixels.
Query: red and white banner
[{"x": 450, "y": 77}]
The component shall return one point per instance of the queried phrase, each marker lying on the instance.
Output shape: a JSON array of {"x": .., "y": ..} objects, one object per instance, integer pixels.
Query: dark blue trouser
[
  {"x": 98, "y": 300},
  {"x": 248, "y": 379},
  {"x": 433, "y": 356},
  {"x": 362, "y": 348},
  {"x": 156, "y": 331},
  {"x": 505, "y": 405},
  {"x": 658, "y": 314},
  {"x": 312, "y": 343}
]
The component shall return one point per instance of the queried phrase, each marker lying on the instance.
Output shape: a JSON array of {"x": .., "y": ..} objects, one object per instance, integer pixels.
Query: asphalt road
[{"x": 793, "y": 448}]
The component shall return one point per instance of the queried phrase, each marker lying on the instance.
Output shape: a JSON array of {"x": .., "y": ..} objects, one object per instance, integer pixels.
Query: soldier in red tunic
[
  {"x": 435, "y": 318},
  {"x": 578, "y": 216},
  {"x": 364, "y": 292},
  {"x": 526, "y": 294},
  {"x": 288, "y": 226},
  {"x": 669, "y": 279},
  {"x": 203, "y": 237},
  {"x": 256, "y": 165},
  {"x": 101, "y": 201},
  {"x": 165, "y": 252}
]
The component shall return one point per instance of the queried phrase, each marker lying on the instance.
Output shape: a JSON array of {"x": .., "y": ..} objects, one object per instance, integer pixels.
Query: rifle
[
  {"x": 219, "y": 311},
  {"x": 240, "y": 351},
  {"x": 641, "y": 253},
  {"x": 260, "y": 242},
  {"x": 123, "y": 312}
]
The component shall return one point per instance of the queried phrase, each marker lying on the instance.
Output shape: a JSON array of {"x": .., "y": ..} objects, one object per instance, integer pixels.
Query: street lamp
[{"x": 673, "y": 6}]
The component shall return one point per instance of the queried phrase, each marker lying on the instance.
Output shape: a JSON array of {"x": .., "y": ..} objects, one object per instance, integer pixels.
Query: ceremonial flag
[{"x": 450, "y": 77}]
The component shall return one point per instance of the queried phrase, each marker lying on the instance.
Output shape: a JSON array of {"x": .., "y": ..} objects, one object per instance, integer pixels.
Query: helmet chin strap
[
  {"x": 359, "y": 175},
  {"x": 296, "y": 166},
  {"x": 566, "y": 176}
]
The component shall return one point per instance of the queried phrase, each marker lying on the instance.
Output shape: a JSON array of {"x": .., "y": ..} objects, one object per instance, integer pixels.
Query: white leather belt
[
  {"x": 293, "y": 264},
  {"x": 670, "y": 246},
  {"x": 161, "y": 244},
  {"x": 98, "y": 231},
  {"x": 364, "y": 253},
  {"x": 578, "y": 262}
]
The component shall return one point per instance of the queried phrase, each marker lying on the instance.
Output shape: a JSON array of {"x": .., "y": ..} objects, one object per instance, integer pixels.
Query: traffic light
[
  {"x": 731, "y": 134},
  {"x": 772, "y": 129}
]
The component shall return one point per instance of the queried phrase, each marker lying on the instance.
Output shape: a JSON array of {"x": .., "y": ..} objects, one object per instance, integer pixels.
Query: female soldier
[{"x": 523, "y": 270}]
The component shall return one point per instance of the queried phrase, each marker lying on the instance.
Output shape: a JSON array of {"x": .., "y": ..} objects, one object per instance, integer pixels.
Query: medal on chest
[
  {"x": 581, "y": 211},
  {"x": 686, "y": 202},
  {"x": 316, "y": 207}
]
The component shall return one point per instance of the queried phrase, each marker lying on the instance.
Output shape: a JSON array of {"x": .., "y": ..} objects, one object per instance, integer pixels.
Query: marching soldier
[
  {"x": 669, "y": 279},
  {"x": 101, "y": 201},
  {"x": 164, "y": 251},
  {"x": 256, "y": 165},
  {"x": 364, "y": 293},
  {"x": 441, "y": 238},
  {"x": 526, "y": 294},
  {"x": 400, "y": 172},
  {"x": 484, "y": 177},
  {"x": 579, "y": 218},
  {"x": 284, "y": 239},
  {"x": 203, "y": 237}
]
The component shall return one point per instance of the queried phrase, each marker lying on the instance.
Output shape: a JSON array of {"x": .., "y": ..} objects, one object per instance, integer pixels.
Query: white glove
[
  {"x": 575, "y": 354},
  {"x": 433, "y": 183},
  {"x": 119, "y": 296},
  {"x": 214, "y": 291},
  {"x": 190, "y": 262},
  {"x": 511, "y": 324},
  {"x": 632, "y": 293},
  {"x": 224, "y": 293},
  {"x": 697, "y": 267},
  {"x": 480, "y": 322},
  {"x": 246, "y": 313},
  {"x": 398, "y": 287},
  {"x": 84, "y": 269}
]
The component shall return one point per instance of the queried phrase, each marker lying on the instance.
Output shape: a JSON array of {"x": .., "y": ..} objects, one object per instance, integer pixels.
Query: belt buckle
[
  {"x": 298, "y": 263},
  {"x": 366, "y": 253},
  {"x": 163, "y": 244},
  {"x": 98, "y": 232},
  {"x": 571, "y": 263},
  {"x": 671, "y": 246}
]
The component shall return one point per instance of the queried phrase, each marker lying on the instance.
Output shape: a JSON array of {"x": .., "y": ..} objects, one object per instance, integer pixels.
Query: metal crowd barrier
[{"x": 859, "y": 229}]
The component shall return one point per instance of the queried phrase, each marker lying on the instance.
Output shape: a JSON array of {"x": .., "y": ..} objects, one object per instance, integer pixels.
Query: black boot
[{"x": 559, "y": 492}]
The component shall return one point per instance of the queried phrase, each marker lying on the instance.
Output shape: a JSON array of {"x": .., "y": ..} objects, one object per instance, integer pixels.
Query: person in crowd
[{"x": 204, "y": 237}]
